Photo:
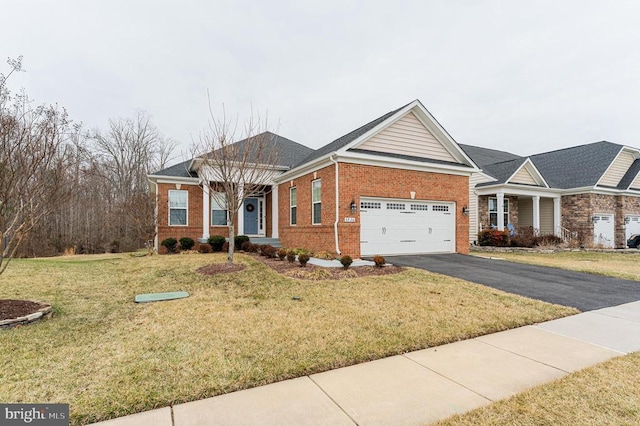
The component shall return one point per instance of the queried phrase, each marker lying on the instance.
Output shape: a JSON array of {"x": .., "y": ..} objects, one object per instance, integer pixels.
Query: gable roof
[
  {"x": 483, "y": 156},
  {"x": 576, "y": 167},
  {"x": 504, "y": 170},
  {"x": 630, "y": 176},
  {"x": 345, "y": 140},
  {"x": 288, "y": 153}
]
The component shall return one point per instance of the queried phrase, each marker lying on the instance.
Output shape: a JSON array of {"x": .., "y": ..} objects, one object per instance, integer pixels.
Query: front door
[{"x": 251, "y": 215}]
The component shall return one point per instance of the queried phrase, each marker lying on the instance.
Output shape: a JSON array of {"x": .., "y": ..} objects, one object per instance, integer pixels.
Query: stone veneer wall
[{"x": 483, "y": 211}]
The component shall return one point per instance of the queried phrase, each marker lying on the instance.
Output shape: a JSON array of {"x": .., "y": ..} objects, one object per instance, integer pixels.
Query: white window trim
[
  {"x": 213, "y": 200},
  {"x": 291, "y": 205},
  {"x": 506, "y": 212},
  {"x": 313, "y": 203},
  {"x": 186, "y": 209}
]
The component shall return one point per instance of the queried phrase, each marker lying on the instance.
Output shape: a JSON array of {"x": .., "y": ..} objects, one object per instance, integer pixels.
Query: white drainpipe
[
  {"x": 155, "y": 211},
  {"x": 335, "y": 224}
]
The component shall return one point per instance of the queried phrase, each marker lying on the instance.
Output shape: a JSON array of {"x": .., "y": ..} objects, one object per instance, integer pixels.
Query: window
[
  {"x": 219, "y": 209},
  {"x": 438, "y": 208},
  {"x": 293, "y": 206},
  {"x": 178, "y": 201},
  {"x": 493, "y": 212},
  {"x": 395, "y": 206},
  {"x": 316, "y": 202}
]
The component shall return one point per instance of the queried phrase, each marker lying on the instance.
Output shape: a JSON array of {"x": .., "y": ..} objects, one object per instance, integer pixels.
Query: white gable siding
[
  {"x": 636, "y": 182},
  {"x": 474, "y": 179},
  {"x": 618, "y": 169},
  {"x": 524, "y": 177},
  {"x": 408, "y": 136}
]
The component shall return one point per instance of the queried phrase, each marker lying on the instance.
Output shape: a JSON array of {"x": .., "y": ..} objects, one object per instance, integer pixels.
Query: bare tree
[
  {"x": 232, "y": 168},
  {"x": 33, "y": 162}
]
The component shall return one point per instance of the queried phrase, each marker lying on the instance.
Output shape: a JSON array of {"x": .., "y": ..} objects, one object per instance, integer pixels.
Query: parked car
[{"x": 634, "y": 241}]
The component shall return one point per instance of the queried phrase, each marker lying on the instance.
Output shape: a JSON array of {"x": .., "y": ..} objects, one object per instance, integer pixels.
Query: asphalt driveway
[{"x": 580, "y": 290}]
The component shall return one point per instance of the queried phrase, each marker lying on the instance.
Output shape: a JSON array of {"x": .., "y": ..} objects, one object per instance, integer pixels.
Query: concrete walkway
[{"x": 423, "y": 386}]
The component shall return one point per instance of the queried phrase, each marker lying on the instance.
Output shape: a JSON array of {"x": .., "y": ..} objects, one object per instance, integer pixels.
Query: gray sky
[{"x": 522, "y": 76}]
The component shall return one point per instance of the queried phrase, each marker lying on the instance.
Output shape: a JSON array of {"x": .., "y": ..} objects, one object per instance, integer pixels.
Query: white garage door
[
  {"x": 406, "y": 227},
  {"x": 632, "y": 226},
  {"x": 603, "y": 227}
]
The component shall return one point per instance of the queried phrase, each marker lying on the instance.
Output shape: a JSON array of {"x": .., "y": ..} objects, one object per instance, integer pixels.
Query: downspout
[
  {"x": 335, "y": 224},
  {"x": 155, "y": 213}
]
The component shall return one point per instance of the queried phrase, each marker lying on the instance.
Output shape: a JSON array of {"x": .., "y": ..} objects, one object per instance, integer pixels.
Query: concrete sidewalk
[{"x": 423, "y": 386}]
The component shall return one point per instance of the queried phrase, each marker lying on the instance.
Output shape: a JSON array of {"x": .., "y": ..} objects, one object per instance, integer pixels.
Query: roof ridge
[{"x": 574, "y": 147}]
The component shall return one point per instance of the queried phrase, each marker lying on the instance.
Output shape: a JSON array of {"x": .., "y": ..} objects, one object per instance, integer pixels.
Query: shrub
[
  {"x": 346, "y": 261},
  {"x": 187, "y": 243},
  {"x": 548, "y": 240},
  {"x": 204, "y": 248},
  {"x": 493, "y": 237},
  {"x": 216, "y": 242},
  {"x": 225, "y": 247},
  {"x": 303, "y": 258},
  {"x": 163, "y": 250},
  {"x": 170, "y": 244},
  {"x": 268, "y": 251},
  {"x": 246, "y": 246},
  {"x": 291, "y": 256},
  {"x": 239, "y": 239},
  {"x": 282, "y": 253},
  {"x": 379, "y": 261}
]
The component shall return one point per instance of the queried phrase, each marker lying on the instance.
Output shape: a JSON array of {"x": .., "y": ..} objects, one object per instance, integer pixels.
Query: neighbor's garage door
[
  {"x": 406, "y": 227},
  {"x": 632, "y": 225},
  {"x": 603, "y": 227}
]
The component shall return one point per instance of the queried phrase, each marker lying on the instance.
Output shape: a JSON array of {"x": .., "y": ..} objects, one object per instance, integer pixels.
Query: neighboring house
[
  {"x": 589, "y": 191},
  {"x": 397, "y": 185}
]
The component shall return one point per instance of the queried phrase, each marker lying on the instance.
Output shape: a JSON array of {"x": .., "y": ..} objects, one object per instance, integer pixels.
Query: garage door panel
[
  {"x": 406, "y": 226},
  {"x": 632, "y": 226}
]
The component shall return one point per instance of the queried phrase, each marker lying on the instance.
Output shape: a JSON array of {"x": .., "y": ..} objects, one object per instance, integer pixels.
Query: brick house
[
  {"x": 591, "y": 191},
  {"x": 397, "y": 185}
]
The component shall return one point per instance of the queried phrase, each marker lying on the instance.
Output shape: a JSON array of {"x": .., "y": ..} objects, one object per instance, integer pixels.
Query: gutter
[{"x": 335, "y": 224}]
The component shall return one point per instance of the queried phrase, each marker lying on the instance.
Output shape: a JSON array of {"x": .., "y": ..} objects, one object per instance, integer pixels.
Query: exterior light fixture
[
  {"x": 465, "y": 211},
  {"x": 353, "y": 206},
  {"x": 627, "y": 219}
]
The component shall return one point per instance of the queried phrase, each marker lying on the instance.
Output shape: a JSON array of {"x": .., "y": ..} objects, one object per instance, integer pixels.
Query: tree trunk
[{"x": 232, "y": 243}]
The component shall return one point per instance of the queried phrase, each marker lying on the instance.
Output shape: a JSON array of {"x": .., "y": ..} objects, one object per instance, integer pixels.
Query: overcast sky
[{"x": 521, "y": 76}]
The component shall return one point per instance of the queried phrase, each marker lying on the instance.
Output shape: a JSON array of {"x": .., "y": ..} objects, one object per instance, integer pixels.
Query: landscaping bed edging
[{"x": 43, "y": 313}]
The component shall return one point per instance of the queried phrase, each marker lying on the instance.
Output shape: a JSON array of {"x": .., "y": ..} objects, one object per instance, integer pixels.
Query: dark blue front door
[{"x": 250, "y": 208}]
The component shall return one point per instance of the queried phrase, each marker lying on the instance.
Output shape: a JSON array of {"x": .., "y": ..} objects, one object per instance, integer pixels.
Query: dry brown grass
[
  {"x": 619, "y": 265},
  {"x": 109, "y": 357},
  {"x": 606, "y": 394}
]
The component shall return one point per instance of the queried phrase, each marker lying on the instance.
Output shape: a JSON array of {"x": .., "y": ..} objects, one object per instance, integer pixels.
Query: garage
[
  {"x": 603, "y": 230},
  {"x": 631, "y": 226},
  {"x": 400, "y": 226}
]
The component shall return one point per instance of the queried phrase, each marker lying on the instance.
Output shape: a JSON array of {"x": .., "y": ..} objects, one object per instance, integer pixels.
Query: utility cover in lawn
[{"x": 157, "y": 297}]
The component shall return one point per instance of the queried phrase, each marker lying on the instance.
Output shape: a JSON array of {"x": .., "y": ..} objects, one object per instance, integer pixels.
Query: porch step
[{"x": 275, "y": 242}]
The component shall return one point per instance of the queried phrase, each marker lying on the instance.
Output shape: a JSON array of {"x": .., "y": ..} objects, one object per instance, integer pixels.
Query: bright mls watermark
[{"x": 34, "y": 414}]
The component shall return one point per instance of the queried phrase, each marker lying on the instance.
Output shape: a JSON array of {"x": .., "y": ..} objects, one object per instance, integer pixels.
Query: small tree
[
  {"x": 33, "y": 162},
  {"x": 231, "y": 169}
]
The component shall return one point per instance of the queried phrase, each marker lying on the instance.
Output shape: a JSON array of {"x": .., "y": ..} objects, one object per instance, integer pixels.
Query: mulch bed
[
  {"x": 314, "y": 272},
  {"x": 10, "y": 308}
]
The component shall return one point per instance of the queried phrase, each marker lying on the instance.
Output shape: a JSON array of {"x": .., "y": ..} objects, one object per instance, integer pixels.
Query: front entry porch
[{"x": 519, "y": 208}]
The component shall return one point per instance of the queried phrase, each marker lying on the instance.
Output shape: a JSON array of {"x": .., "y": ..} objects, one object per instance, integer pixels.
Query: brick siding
[{"x": 364, "y": 181}]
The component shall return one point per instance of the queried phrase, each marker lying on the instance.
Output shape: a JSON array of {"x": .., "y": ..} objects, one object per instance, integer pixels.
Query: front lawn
[
  {"x": 605, "y": 394},
  {"x": 109, "y": 357},
  {"x": 612, "y": 264}
]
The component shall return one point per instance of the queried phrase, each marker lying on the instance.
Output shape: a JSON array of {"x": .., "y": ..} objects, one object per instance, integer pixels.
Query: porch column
[
  {"x": 500, "y": 201},
  {"x": 274, "y": 210},
  {"x": 205, "y": 210},
  {"x": 557, "y": 218},
  {"x": 536, "y": 213},
  {"x": 240, "y": 230}
]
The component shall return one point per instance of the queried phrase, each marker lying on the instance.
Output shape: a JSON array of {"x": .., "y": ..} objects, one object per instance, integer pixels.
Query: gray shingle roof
[
  {"x": 503, "y": 171},
  {"x": 177, "y": 170},
  {"x": 288, "y": 153},
  {"x": 348, "y": 138},
  {"x": 578, "y": 166},
  {"x": 483, "y": 156},
  {"x": 631, "y": 174}
]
